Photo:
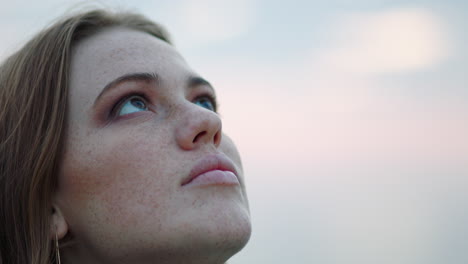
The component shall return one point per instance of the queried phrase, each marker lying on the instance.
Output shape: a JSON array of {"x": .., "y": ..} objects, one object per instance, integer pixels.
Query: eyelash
[
  {"x": 211, "y": 97},
  {"x": 117, "y": 106}
]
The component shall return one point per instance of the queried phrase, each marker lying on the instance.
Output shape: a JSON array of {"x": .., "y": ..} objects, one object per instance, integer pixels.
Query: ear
[{"x": 58, "y": 224}]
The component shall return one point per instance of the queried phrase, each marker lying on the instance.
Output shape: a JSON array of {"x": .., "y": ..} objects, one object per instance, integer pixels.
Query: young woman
[{"x": 112, "y": 151}]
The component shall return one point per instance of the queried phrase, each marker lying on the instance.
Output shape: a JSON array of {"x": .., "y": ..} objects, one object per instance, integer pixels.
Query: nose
[{"x": 198, "y": 127}]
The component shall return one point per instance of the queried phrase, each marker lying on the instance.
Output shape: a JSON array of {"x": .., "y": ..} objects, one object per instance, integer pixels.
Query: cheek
[{"x": 117, "y": 178}]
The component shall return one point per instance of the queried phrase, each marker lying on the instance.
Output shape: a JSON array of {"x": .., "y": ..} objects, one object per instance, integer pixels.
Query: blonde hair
[{"x": 33, "y": 115}]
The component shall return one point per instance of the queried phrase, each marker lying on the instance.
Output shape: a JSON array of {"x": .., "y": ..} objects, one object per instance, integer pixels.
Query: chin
[
  {"x": 223, "y": 240},
  {"x": 216, "y": 231},
  {"x": 232, "y": 231}
]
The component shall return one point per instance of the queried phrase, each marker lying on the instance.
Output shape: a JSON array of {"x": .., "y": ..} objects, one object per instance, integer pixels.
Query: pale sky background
[{"x": 351, "y": 117}]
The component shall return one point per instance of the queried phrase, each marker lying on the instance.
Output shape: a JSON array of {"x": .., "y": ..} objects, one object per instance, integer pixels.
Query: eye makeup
[
  {"x": 106, "y": 108},
  {"x": 109, "y": 104},
  {"x": 135, "y": 102},
  {"x": 206, "y": 101}
]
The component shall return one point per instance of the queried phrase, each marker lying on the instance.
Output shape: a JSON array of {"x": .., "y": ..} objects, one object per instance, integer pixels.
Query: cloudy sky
[{"x": 351, "y": 117}]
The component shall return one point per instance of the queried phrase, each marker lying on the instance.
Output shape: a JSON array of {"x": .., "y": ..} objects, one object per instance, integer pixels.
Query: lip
[{"x": 215, "y": 165}]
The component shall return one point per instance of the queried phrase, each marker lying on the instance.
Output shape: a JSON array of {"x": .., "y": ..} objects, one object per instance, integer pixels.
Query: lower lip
[{"x": 214, "y": 177}]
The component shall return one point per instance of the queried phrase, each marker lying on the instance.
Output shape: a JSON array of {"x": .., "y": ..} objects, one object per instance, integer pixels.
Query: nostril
[
  {"x": 201, "y": 134},
  {"x": 217, "y": 138}
]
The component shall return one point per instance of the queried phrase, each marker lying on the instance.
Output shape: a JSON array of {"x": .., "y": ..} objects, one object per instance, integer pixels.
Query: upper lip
[{"x": 210, "y": 163}]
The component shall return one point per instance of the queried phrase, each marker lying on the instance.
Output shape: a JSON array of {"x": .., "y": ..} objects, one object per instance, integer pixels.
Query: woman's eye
[
  {"x": 206, "y": 102},
  {"x": 132, "y": 105}
]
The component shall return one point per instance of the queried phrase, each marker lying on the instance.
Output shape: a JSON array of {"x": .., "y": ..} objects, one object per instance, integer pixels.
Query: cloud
[
  {"x": 213, "y": 21},
  {"x": 329, "y": 116},
  {"x": 397, "y": 40}
]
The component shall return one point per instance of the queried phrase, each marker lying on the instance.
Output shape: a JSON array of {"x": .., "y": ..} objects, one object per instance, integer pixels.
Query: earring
[{"x": 57, "y": 250}]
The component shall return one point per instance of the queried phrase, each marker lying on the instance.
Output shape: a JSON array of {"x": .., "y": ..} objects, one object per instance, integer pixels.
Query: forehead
[{"x": 114, "y": 52}]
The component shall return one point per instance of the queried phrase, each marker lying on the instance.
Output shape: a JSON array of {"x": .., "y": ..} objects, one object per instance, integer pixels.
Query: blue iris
[
  {"x": 206, "y": 102},
  {"x": 132, "y": 105}
]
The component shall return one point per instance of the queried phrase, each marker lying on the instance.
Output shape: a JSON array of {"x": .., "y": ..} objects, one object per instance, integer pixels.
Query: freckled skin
[{"x": 120, "y": 181}]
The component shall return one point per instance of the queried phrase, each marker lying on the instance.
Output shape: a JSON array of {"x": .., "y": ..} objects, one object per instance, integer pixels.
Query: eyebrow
[
  {"x": 194, "y": 81},
  {"x": 137, "y": 76}
]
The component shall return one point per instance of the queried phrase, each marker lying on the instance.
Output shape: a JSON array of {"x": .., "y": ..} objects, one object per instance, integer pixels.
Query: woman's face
[{"x": 141, "y": 124}]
